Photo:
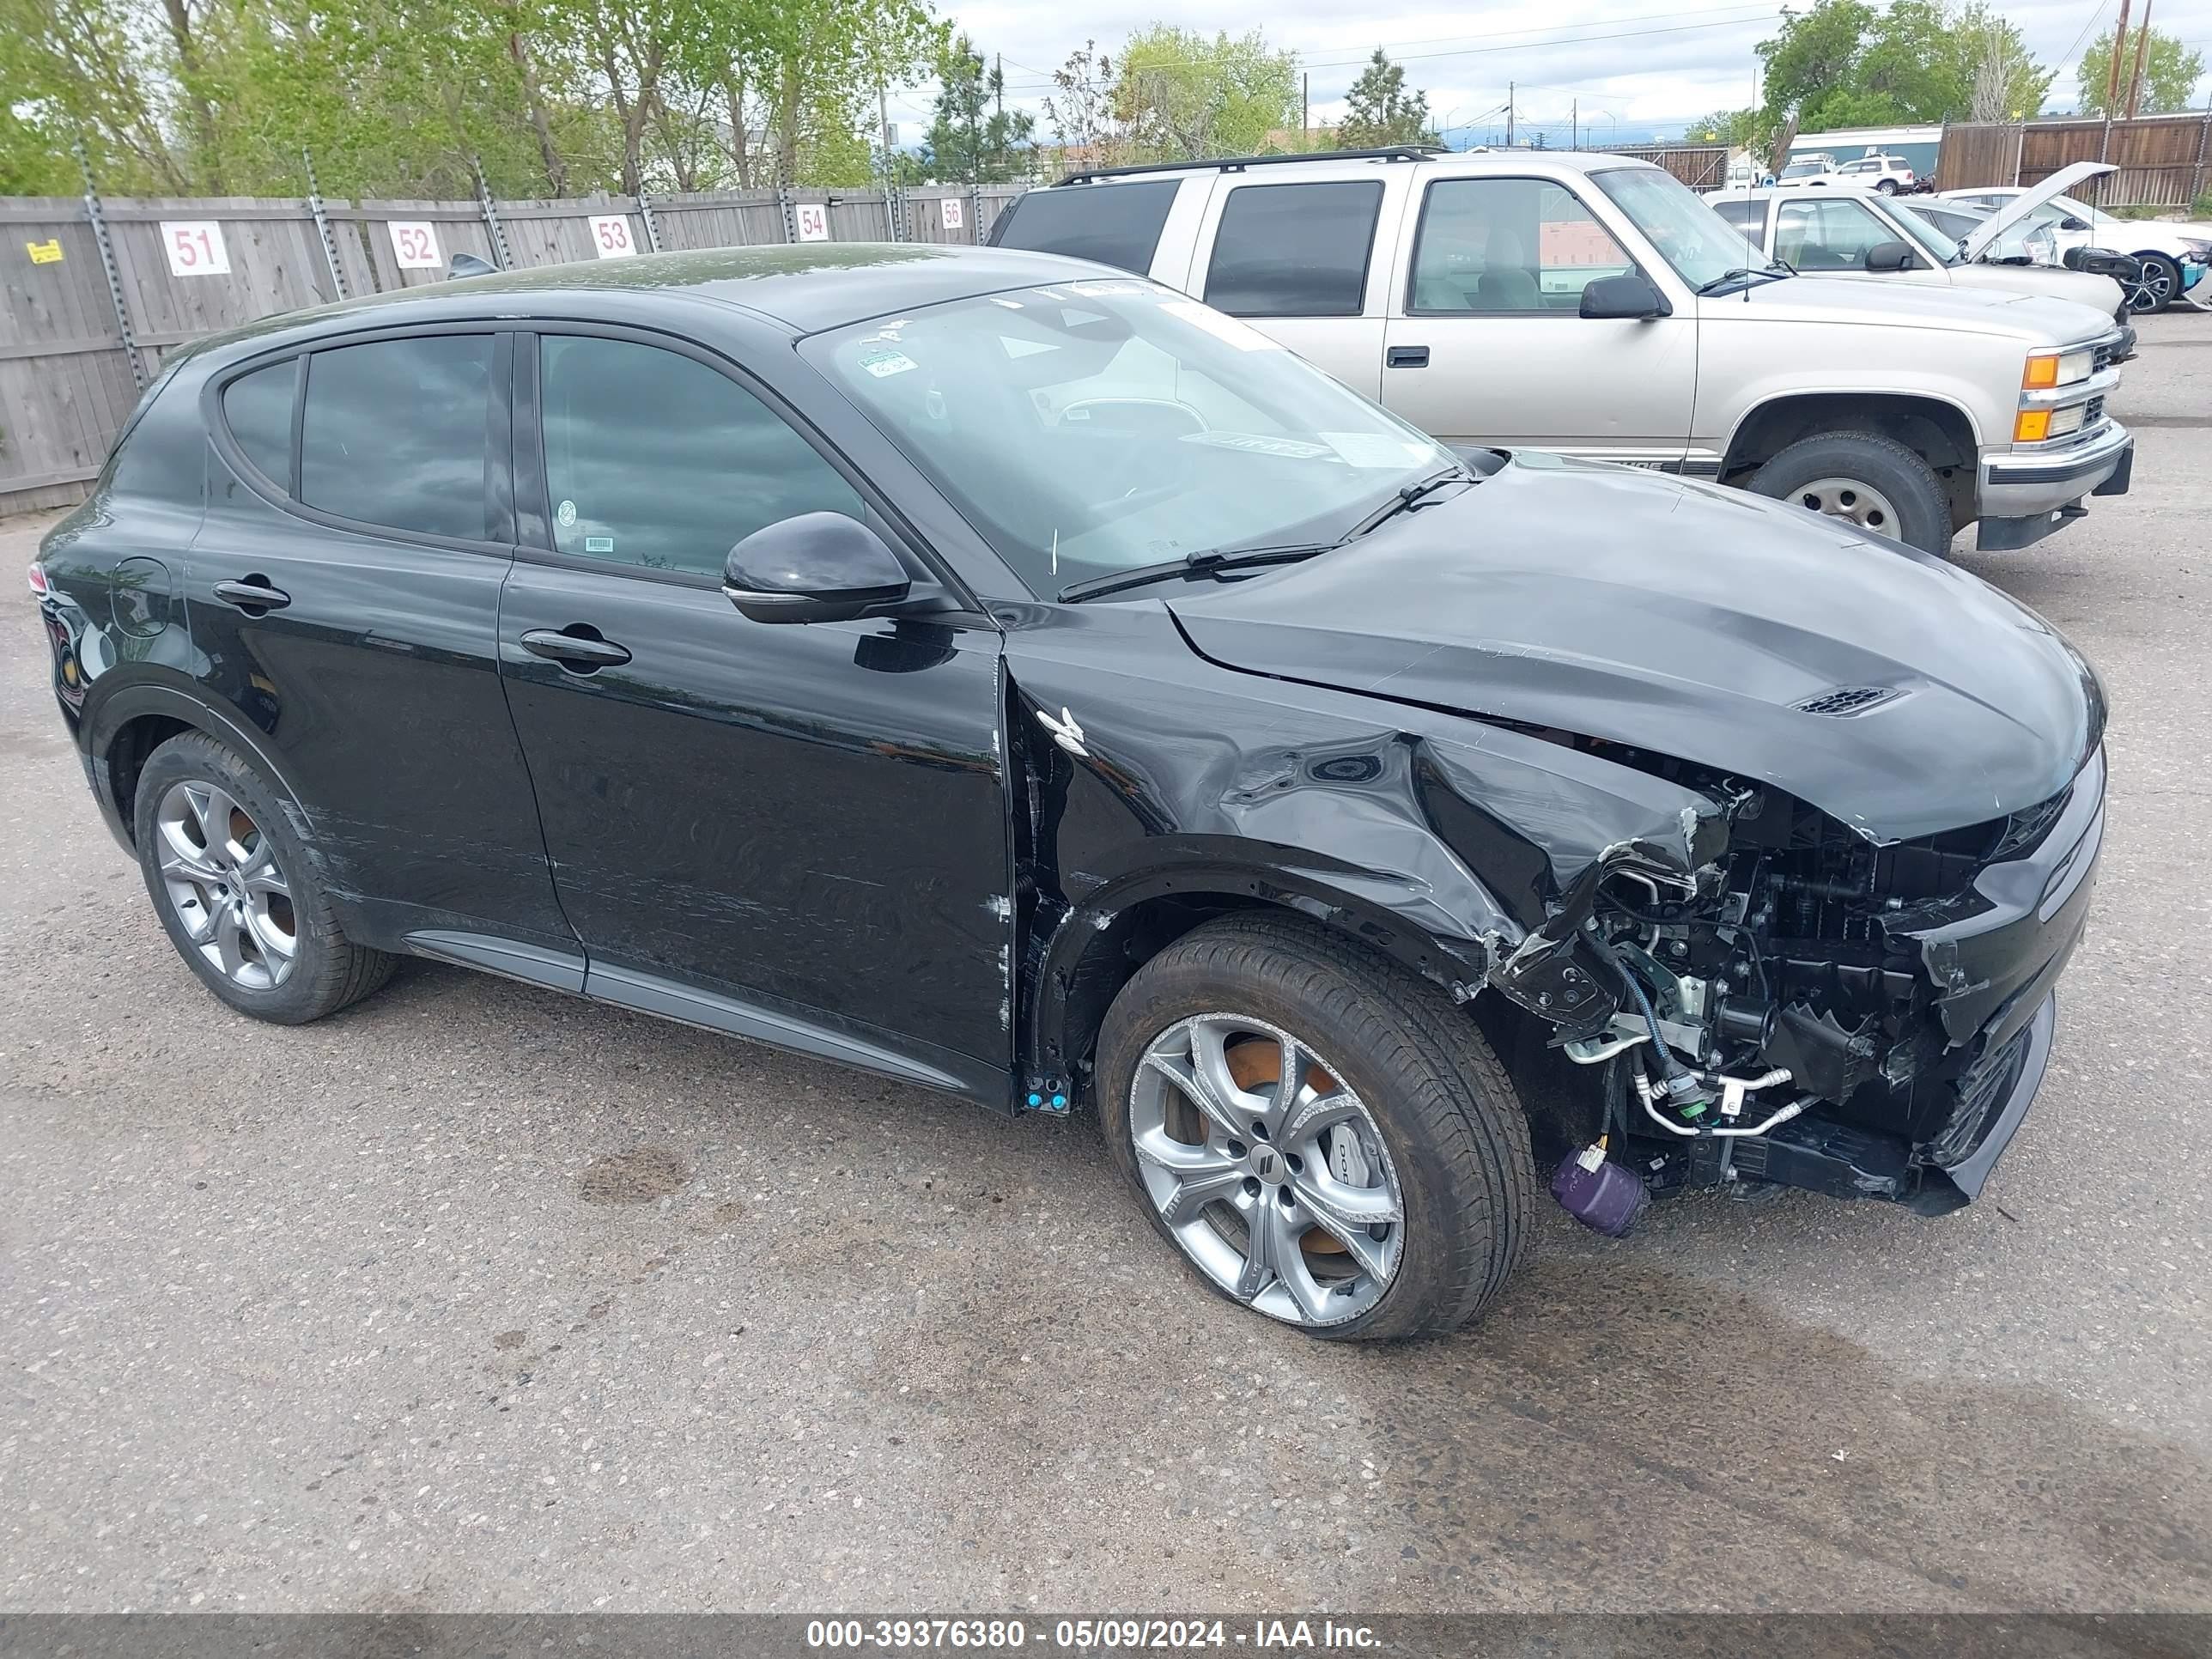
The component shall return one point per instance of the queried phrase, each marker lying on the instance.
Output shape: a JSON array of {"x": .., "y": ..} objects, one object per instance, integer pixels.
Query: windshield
[
  {"x": 1089, "y": 428},
  {"x": 1942, "y": 248},
  {"x": 1702, "y": 247},
  {"x": 1804, "y": 169}
]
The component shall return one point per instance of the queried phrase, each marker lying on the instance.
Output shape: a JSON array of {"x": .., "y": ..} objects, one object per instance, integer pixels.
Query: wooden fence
[
  {"x": 1701, "y": 167},
  {"x": 98, "y": 291},
  {"x": 2164, "y": 160}
]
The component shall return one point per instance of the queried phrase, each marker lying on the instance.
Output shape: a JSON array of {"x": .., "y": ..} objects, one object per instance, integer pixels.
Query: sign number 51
[{"x": 195, "y": 247}]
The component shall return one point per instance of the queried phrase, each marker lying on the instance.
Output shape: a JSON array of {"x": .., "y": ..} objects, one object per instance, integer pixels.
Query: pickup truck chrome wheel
[
  {"x": 1269, "y": 1171},
  {"x": 223, "y": 881},
  {"x": 1849, "y": 498}
]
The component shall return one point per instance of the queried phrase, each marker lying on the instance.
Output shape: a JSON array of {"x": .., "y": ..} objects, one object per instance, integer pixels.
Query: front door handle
[
  {"x": 1406, "y": 357},
  {"x": 253, "y": 594},
  {"x": 577, "y": 645}
]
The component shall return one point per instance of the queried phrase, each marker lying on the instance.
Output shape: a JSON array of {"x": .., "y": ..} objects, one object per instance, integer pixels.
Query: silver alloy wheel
[
  {"x": 1267, "y": 1169},
  {"x": 223, "y": 882},
  {"x": 2153, "y": 287},
  {"x": 1852, "y": 499}
]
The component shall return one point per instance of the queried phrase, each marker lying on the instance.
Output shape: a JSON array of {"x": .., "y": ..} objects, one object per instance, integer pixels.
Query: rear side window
[
  {"x": 258, "y": 410},
  {"x": 398, "y": 433},
  {"x": 1114, "y": 224},
  {"x": 656, "y": 460},
  {"x": 1749, "y": 218},
  {"x": 1294, "y": 249}
]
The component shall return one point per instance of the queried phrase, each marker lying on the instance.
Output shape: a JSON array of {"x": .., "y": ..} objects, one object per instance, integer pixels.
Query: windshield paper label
[{"x": 1376, "y": 449}]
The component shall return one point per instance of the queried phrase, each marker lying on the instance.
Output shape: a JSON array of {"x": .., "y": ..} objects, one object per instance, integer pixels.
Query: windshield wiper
[
  {"x": 1742, "y": 274},
  {"x": 1409, "y": 495},
  {"x": 1210, "y": 562}
]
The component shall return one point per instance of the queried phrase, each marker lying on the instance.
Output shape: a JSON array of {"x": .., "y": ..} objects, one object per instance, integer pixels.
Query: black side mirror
[
  {"x": 1629, "y": 296},
  {"x": 818, "y": 567},
  {"x": 2073, "y": 222},
  {"x": 1889, "y": 256},
  {"x": 2103, "y": 262}
]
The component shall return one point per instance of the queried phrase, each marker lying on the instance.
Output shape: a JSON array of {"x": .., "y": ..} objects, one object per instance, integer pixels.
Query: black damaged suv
[{"x": 1014, "y": 677}]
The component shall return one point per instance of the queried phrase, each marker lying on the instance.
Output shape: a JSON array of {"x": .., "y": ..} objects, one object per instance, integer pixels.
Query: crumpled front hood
[{"x": 1687, "y": 620}]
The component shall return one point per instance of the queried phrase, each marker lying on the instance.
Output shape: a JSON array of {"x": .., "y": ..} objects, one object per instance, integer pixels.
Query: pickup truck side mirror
[
  {"x": 1629, "y": 297},
  {"x": 1889, "y": 256},
  {"x": 818, "y": 567}
]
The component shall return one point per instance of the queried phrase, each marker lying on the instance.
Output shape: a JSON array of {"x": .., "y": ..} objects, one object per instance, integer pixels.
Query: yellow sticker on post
[{"x": 48, "y": 252}]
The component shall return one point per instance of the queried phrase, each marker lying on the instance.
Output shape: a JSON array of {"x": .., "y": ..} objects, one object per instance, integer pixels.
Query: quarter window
[
  {"x": 398, "y": 433},
  {"x": 1749, "y": 218},
  {"x": 1114, "y": 224},
  {"x": 1508, "y": 246},
  {"x": 258, "y": 410},
  {"x": 656, "y": 460},
  {"x": 1831, "y": 235},
  {"x": 1294, "y": 249}
]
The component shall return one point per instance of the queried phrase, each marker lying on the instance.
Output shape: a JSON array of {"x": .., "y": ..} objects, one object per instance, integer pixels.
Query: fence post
[
  {"x": 2203, "y": 147},
  {"x": 790, "y": 211},
  {"x": 323, "y": 227},
  {"x": 975, "y": 214},
  {"x": 652, "y": 230},
  {"x": 500, "y": 250},
  {"x": 108, "y": 264}
]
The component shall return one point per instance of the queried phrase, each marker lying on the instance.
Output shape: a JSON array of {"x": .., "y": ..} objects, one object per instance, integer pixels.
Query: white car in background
[
  {"x": 1827, "y": 232},
  {"x": 1886, "y": 173},
  {"x": 2175, "y": 258}
]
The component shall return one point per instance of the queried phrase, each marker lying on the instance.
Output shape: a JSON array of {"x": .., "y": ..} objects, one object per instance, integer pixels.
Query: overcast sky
[{"x": 1663, "y": 64}]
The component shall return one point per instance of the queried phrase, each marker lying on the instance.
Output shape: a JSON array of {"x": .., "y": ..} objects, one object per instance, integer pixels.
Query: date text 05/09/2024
[{"x": 1107, "y": 1635}]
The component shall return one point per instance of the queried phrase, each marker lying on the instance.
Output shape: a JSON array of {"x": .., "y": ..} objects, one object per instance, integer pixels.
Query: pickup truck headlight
[
  {"x": 2033, "y": 426},
  {"x": 2047, "y": 369}
]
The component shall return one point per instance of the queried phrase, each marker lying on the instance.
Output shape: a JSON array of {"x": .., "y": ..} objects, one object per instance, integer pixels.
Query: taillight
[{"x": 39, "y": 579}]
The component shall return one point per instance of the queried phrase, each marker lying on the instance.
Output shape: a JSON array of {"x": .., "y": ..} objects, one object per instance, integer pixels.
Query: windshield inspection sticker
[
  {"x": 599, "y": 543},
  {"x": 882, "y": 360},
  {"x": 1376, "y": 449},
  {"x": 565, "y": 515},
  {"x": 1258, "y": 443}
]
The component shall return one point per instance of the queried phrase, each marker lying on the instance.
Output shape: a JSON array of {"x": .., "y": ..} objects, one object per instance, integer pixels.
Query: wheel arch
[
  {"x": 134, "y": 721},
  {"x": 1093, "y": 949},
  {"x": 1938, "y": 429}
]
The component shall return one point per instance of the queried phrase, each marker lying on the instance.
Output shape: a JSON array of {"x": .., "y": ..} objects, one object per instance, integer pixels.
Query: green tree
[
  {"x": 1182, "y": 96},
  {"x": 1378, "y": 110},
  {"x": 1080, "y": 107},
  {"x": 974, "y": 139},
  {"x": 1846, "y": 64},
  {"x": 2171, "y": 72}
]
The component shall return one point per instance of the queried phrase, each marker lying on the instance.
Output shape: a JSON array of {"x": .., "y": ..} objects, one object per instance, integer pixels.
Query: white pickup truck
[{"x": 1594, "y": 306}]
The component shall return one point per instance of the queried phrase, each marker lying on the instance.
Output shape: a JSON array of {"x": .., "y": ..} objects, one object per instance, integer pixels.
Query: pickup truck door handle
[
  {"x": 1406, "y": 357},
  {"x": 572, "y": 647},
  {"x": 254, "y": 595}
]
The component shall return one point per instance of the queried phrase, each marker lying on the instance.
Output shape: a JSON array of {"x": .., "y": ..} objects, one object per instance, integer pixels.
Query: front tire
[
  {"x": 1885, "y": 186},
  {"x": 1384, "y": 1194},
  {"x": 236, "y": 893},
  {"x": 1872, "y": 481},
  {"x": 2158, "y": 287}
]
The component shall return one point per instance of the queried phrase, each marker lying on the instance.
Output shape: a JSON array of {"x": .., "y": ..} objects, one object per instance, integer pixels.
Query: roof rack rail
[{"x": 1238, "y": 163}]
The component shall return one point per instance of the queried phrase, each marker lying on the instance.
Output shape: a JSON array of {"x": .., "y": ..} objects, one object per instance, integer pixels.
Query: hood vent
[{"x": 1847, "y": 700}]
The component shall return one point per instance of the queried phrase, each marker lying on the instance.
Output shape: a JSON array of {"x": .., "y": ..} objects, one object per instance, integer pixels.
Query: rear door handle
[
  {"x": 1406, "y": 357},
  {"x": 574, "y": 647},
  {"x": 252, "y": 595}
]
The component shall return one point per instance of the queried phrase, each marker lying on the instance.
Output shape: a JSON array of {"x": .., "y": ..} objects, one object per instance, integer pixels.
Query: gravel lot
[{"x": 478, "y": 1298}]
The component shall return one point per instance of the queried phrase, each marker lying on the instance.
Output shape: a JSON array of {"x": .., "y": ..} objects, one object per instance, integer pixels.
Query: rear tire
[
  {"x": 236, "y": 892},
  {"x": 1894, "y": 487},
  {"x": 1439, "y": 1148},
  {"x": 1885, "y": 186}
]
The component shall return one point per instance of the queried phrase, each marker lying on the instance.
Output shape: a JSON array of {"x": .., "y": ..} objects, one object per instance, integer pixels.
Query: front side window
[
  {"x": 1703, "y": 247},
  {"x": 258, "y": 410},
  {"x": 1832, "y": 233},
  {"x": 656, "y": 460},
  {"x": 1113, "y": 224},
  {"x": 398, "y": 433},
  {"x": 1508, "y": 246},
  {"x": 1089, "y": 427},
  {"x": 1294, "y": 249}
]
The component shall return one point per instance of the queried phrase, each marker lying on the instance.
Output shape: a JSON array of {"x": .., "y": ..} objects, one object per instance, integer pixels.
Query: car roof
[{"x": 806, "y": 286}]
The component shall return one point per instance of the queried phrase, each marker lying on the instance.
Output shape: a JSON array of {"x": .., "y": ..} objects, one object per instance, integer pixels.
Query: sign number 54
[{"x": 813, "y": 222}]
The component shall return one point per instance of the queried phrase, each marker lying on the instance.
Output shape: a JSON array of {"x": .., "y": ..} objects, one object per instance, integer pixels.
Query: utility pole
[
  {"x": 1509, "y": 114},
  {"x": 1305, "y": 104},
  {"x": 1574, "y": 123},
  {"x": 2136, "y": 75},
  {"x": 2112, "y": 69}
]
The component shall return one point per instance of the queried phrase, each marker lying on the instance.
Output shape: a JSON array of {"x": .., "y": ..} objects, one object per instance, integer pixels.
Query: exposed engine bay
[{"x": 1807, "y": 1006}]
